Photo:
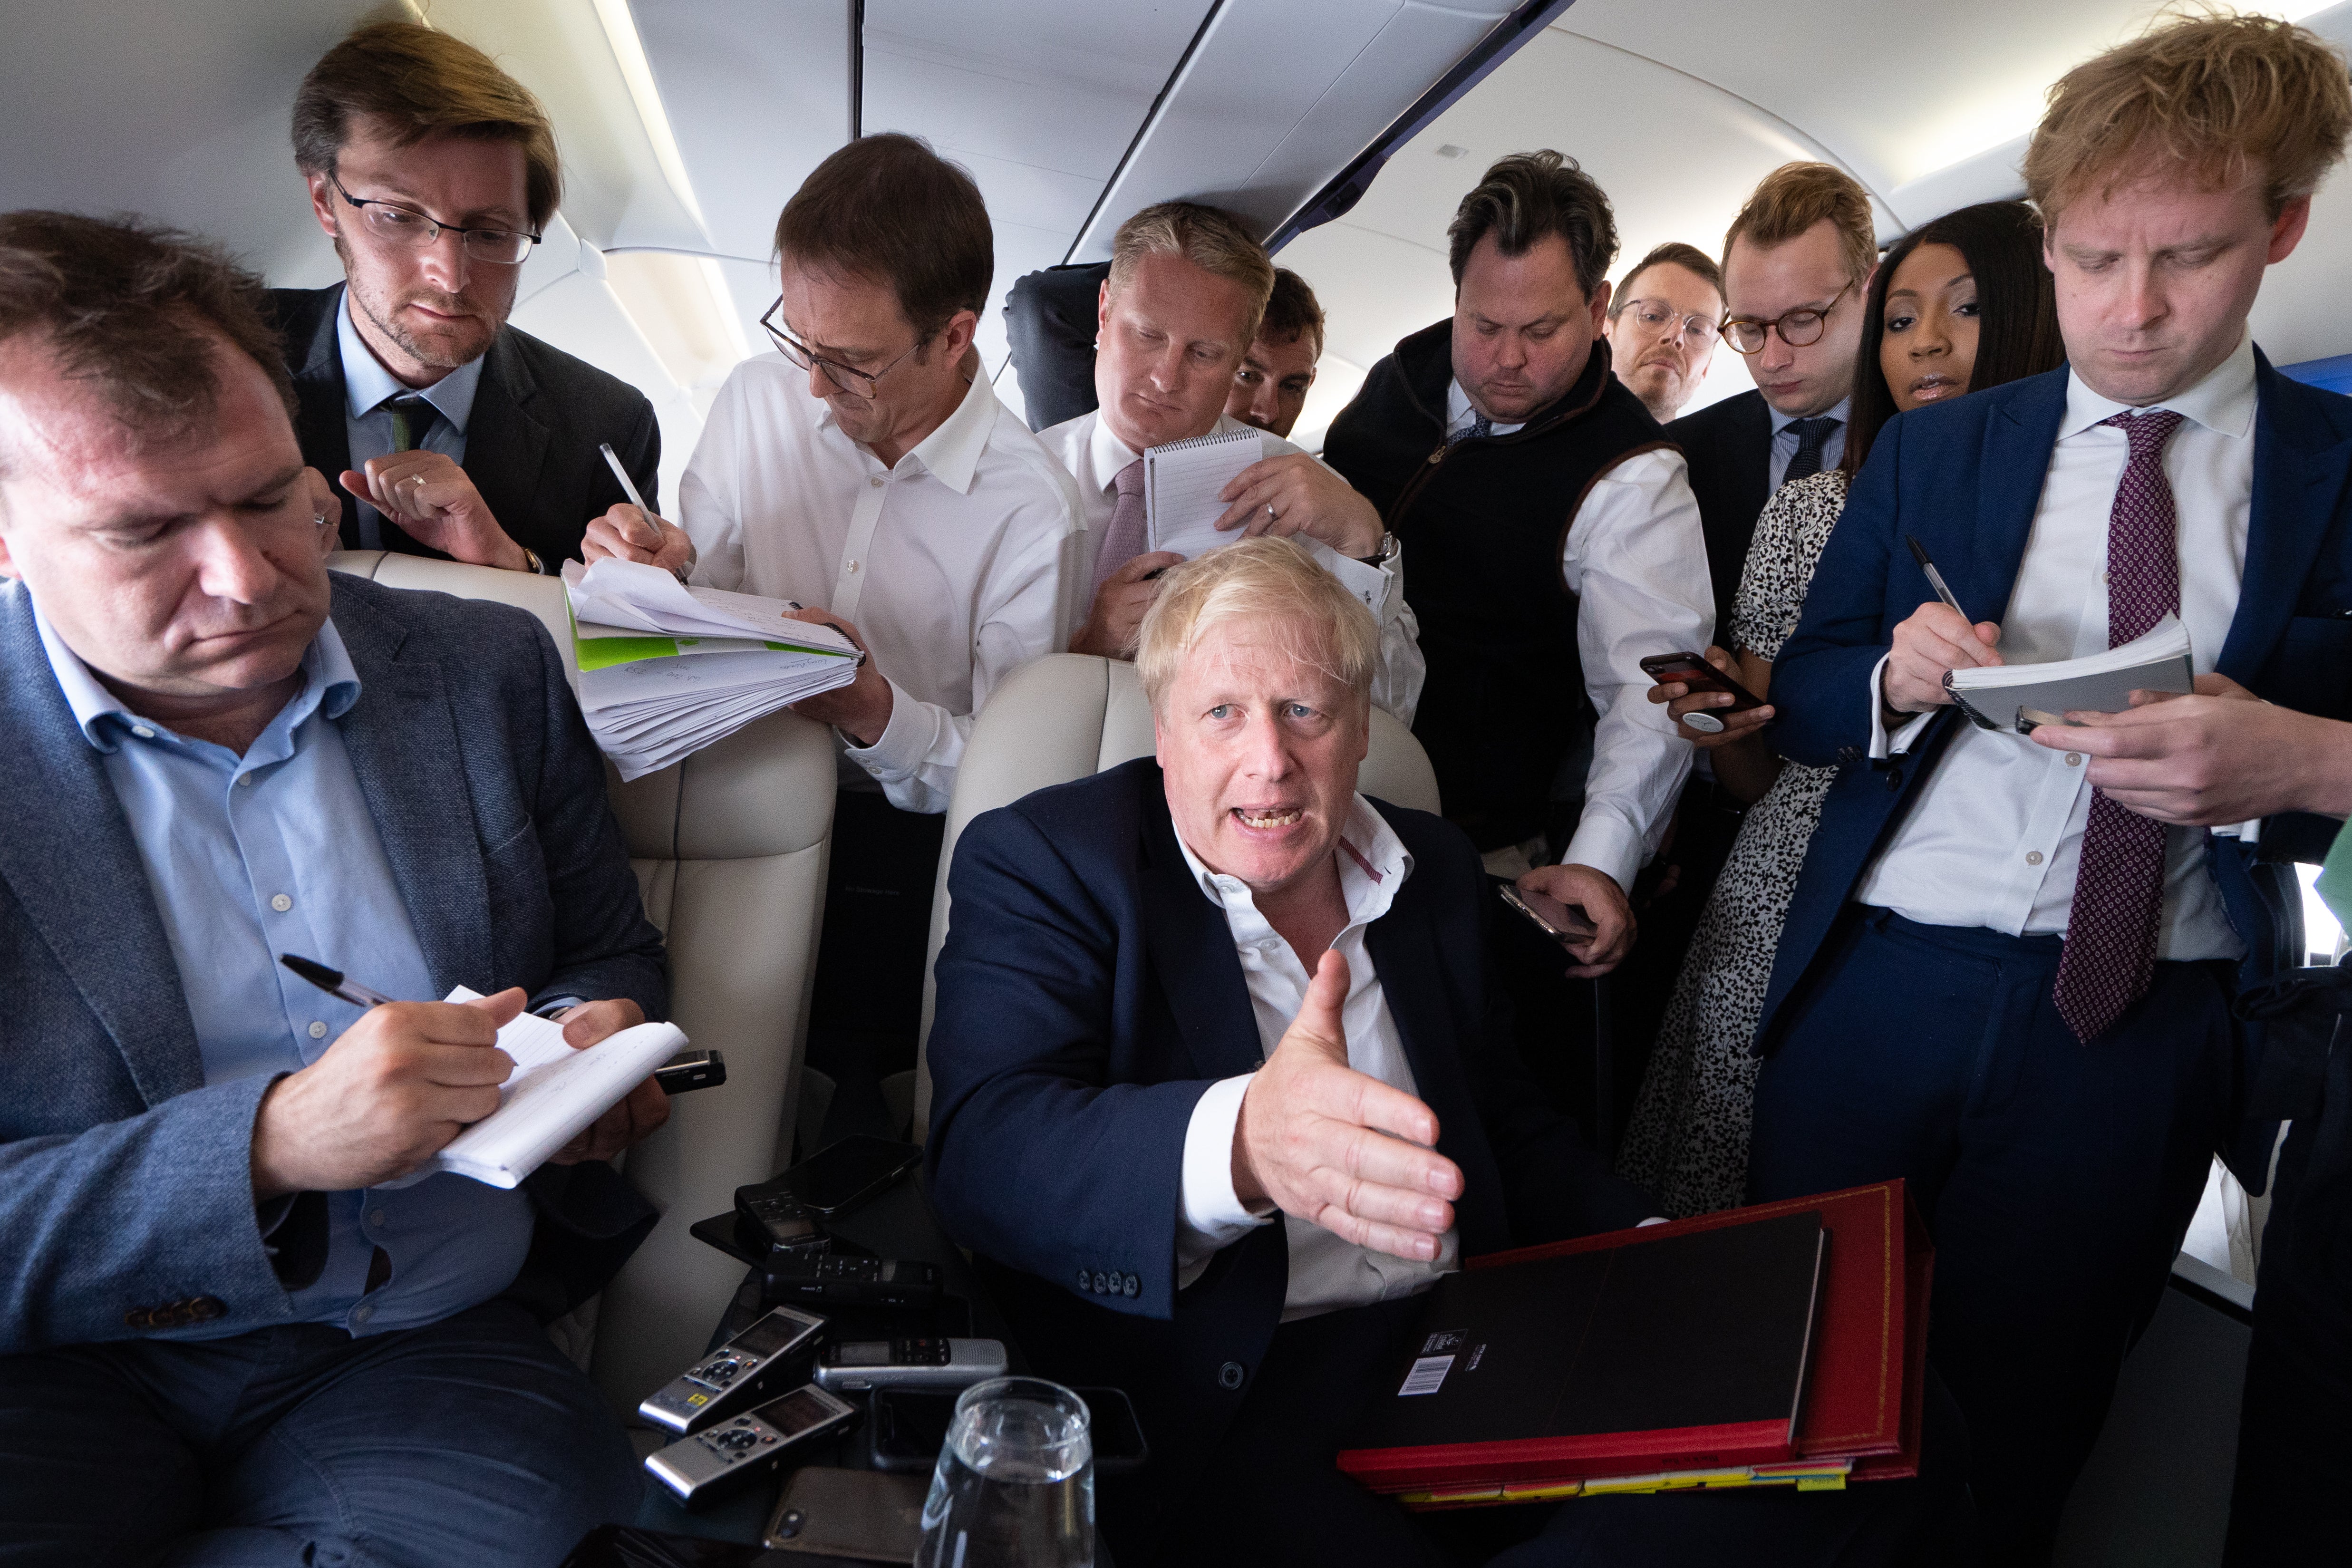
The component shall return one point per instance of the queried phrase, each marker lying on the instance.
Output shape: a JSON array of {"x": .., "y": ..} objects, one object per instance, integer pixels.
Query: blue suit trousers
[
  {"x": 2057, "y": 1178},
  {"x": 469, "y": 1441}
]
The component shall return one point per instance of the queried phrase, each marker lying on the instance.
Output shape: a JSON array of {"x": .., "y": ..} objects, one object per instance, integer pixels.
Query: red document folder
[{"x": 1862, "y": 1386}]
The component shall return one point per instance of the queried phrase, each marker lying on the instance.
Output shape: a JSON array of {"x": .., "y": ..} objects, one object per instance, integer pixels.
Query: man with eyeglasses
[
  {"x": 866, "y": 470},
  {"x": 450, "y": 433},
  {"x": 1663, "y": 326},
  {"x": 1796, "y": 263}
]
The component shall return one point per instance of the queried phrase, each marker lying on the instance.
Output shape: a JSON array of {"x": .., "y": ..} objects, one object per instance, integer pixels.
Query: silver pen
[{"x": 1934, "y": 578}]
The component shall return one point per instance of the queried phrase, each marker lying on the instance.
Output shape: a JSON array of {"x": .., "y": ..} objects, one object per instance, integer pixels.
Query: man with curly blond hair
[{"x": 2008, "y": 971}]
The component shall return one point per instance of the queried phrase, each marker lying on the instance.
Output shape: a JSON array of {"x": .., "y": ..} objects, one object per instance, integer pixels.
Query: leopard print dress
[{"x": 1687, "y": 1142}]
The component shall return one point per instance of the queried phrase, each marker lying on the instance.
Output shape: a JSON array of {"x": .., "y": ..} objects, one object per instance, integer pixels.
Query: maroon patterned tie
[
  {"x": 2119, "y": 882},
  {"x": 1123, "y": 541}
]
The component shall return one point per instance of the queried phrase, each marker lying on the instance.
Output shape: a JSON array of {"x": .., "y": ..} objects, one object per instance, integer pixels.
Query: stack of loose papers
[
  {"x": 1993, "y": 696},
  {"x": 553, "y": 1096},
  {"x": 665, "y": 669}
]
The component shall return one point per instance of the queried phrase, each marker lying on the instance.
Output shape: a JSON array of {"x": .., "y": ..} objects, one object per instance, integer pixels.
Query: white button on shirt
[
  {"x": 1945, "y": 864},
  {"x": 1636, "y": 562},
  {"x": 955, "y": 565},
  {"x": 1086, "y": 447},
  {"x": 1326, "y": 1273}
]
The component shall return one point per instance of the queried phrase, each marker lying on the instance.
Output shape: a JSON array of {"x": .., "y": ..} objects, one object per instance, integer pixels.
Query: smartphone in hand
[
  {"x": 1564, "y": 923},
  {"x": 1694, "y": 671}
]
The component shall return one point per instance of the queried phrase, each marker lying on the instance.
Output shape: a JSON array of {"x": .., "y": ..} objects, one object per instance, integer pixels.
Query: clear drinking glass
[{"x": 1015, "y": 1482}]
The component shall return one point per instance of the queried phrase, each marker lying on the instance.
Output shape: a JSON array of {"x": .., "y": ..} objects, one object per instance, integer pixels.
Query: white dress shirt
[
  {"x": 367, "y": 423},
  {"x": 1086, "y": 447},
  {"x": 1325, "y": 1272},
  {"x": 1636, "y": 562},
  {"x": 956, "y": 566},
  {"x": 1785, "y": 441},
  {"x": 1995, "y": 836}
]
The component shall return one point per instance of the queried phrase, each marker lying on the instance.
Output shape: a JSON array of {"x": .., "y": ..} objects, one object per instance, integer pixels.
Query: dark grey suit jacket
[
  {"x": 530, "y": 443},
  {"x": 126, "y": 1188},
  {"x": 1729, "y": 446}
]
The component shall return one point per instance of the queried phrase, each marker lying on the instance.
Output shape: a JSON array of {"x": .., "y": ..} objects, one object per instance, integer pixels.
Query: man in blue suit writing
[
  {"x": 2008, "y": 972},
  {"x": 222, "y": 1337}
]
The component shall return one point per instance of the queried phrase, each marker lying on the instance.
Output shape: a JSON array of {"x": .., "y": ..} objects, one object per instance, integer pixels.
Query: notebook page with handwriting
[{"x": 1181, "y": 484}]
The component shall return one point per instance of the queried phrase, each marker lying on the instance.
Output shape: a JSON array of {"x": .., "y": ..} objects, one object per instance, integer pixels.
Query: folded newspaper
[
  {"x": 665, "y": 669},
  {"x": 1994, "y": 696},
  {"x": 553, "y": 1095}
]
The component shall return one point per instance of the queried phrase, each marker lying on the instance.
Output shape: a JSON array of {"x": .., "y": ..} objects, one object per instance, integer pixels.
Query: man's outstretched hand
[{"x": 1319, "y": 1140}]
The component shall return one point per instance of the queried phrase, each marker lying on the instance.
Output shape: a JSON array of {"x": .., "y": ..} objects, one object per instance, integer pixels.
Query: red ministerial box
[{"x": 1863, "y": 1388}]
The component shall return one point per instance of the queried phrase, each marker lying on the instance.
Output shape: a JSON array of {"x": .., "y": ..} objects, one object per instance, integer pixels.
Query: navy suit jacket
[
  {"x": 1089, "y": 993},
  {"x": 1966, "y": 477},
  {"x": 125, "y": 1180},
  {"x": 530, "y": 441}
]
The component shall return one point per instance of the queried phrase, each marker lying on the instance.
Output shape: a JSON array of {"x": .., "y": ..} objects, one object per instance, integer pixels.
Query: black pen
[
  {"x": 1934, "y": 578},
  {"x": 332, "y": 983}
]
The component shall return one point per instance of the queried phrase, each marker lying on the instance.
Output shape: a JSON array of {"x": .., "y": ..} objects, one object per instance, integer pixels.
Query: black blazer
[
  {"x": 1729, "y": 446},
  {"x": 1089, "y": 994},
  {"x": 530, "y": 445}
]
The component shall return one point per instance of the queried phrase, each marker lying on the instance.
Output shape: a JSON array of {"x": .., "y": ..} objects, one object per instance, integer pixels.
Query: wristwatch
[
  {"x": 531, "y": 563},
  {"x": 1386, "y": 553}
]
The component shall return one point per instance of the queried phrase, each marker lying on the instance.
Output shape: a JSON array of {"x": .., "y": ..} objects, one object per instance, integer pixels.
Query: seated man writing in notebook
[
  {"x": 212, "y": 752},
  {"x": 1221, "y": 1083}
]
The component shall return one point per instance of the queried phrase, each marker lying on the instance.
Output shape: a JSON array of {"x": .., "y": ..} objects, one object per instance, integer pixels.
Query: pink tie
[
  {"x": 1123, "y": 542},
  {"x": 2119, "y": 883}
]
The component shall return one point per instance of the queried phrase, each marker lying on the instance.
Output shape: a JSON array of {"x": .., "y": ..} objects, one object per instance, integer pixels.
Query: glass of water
[{"x": 1015, "y": 1482}]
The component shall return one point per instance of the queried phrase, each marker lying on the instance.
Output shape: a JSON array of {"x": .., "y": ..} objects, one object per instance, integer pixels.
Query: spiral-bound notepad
[
  {"x": 555, "y": 1092},
  {"x": 1180, "y": 482}
]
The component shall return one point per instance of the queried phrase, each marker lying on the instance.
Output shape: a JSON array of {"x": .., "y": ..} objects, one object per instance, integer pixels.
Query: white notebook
[
  {"x": 1180, "y": 481},
  {"x": 1992, "y": 695},
  {"x": 554, "y": 1094}
]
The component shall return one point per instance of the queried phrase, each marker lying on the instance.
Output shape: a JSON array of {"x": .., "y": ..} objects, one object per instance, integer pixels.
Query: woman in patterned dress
[{"x": 1962, "y": 303}]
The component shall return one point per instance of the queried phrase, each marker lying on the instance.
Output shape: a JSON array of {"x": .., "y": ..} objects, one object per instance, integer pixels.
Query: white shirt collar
[
  {"x": 949, "y": 454},
  {"x": 1459, "y": 412},
  {"x": 1839, "y": 411},
  {"x": 2224, "y": 401},
  {"x": 1109, "y": 454},
  {"x": 366, "y": 383},
  {"x": 1373, "y": 864}
]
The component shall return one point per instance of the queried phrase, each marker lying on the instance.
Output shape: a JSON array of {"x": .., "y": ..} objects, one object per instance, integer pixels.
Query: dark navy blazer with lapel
[
  {"x": 125, "y": 1180},
  {"x": 1966, "y": 477},
  {"x": 530, "y": 441},
  {"x": 1088, "y": 994}
]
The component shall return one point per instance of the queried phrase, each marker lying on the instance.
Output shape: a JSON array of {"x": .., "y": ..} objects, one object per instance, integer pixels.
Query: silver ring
[
  {"x": 1272, "y": 515},
  {"x": 320, "y": 520}
]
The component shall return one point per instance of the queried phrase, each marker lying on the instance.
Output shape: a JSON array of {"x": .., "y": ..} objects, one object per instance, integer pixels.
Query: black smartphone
[
  {"x": 692, "y": 1070},
  {"x": 843, "y": 1174},
  {"x": 1694, "y": 671},
  {"x": 909, "y": 1427},
  {"x": 1564, "y": 923}
]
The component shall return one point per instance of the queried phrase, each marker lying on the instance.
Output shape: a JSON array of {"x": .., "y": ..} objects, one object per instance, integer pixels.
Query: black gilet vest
[{"x": 1483, "y": 522}]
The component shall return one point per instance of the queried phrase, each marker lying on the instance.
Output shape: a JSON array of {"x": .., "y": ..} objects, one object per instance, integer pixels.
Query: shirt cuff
[
  {"x": 1210, "y": 1213},
  {"x": 1606, "y": 845},
  {"x": 904, "y": 743},
  {"x": 1885, "y": 743},
  {"x": 1369, "y": 583}
]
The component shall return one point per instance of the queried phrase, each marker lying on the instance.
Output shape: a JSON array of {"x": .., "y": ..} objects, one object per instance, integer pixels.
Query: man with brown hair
[
  {"x": 866, "y": 469},
  {"x": 1188, "y": 288},
  {"x": 2009, "y": 968},
  {"x": 1796, "y": 267},
  {"x": 1272, "y": 385},
  {"x": 449, "y": 432},
  {"x": 1664, "y": 321},
  {"x": 1555, "y": 541},
  {"x": 232, "y": 1332}
]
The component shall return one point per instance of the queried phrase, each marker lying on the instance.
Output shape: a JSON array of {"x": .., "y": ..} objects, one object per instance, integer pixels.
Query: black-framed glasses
[
  {"x": 1656, "y": 316},
  {"x": 1797, "y": 328},
  {"x": 845, "y": 378},
  {"x": 411, "y": 230}
]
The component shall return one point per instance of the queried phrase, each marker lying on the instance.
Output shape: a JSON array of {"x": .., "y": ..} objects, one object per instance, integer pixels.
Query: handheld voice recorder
[
  {"x": 756, "y": 1444},
  {"x": 737, "y": 1375},
  {"x": 908, "y": 1364}
]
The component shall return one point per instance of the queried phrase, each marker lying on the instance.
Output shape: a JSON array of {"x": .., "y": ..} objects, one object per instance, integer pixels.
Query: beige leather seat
[
  {"x": 1069, "y": 715},
  {"x": 730, "y": 849}
]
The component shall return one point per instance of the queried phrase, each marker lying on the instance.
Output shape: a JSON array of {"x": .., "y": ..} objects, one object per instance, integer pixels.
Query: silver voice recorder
[
  {"x": 859, "y": 1364},
  {"x": 745, "y": 1371},
  {"x": 757, "y": 1444}
]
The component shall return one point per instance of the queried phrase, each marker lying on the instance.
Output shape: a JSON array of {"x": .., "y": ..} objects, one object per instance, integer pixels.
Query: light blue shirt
[
  {"x": 276, "y": 852},
  {"x": 368, "y": 386},
  {"x": 1784, "y": 440}
]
